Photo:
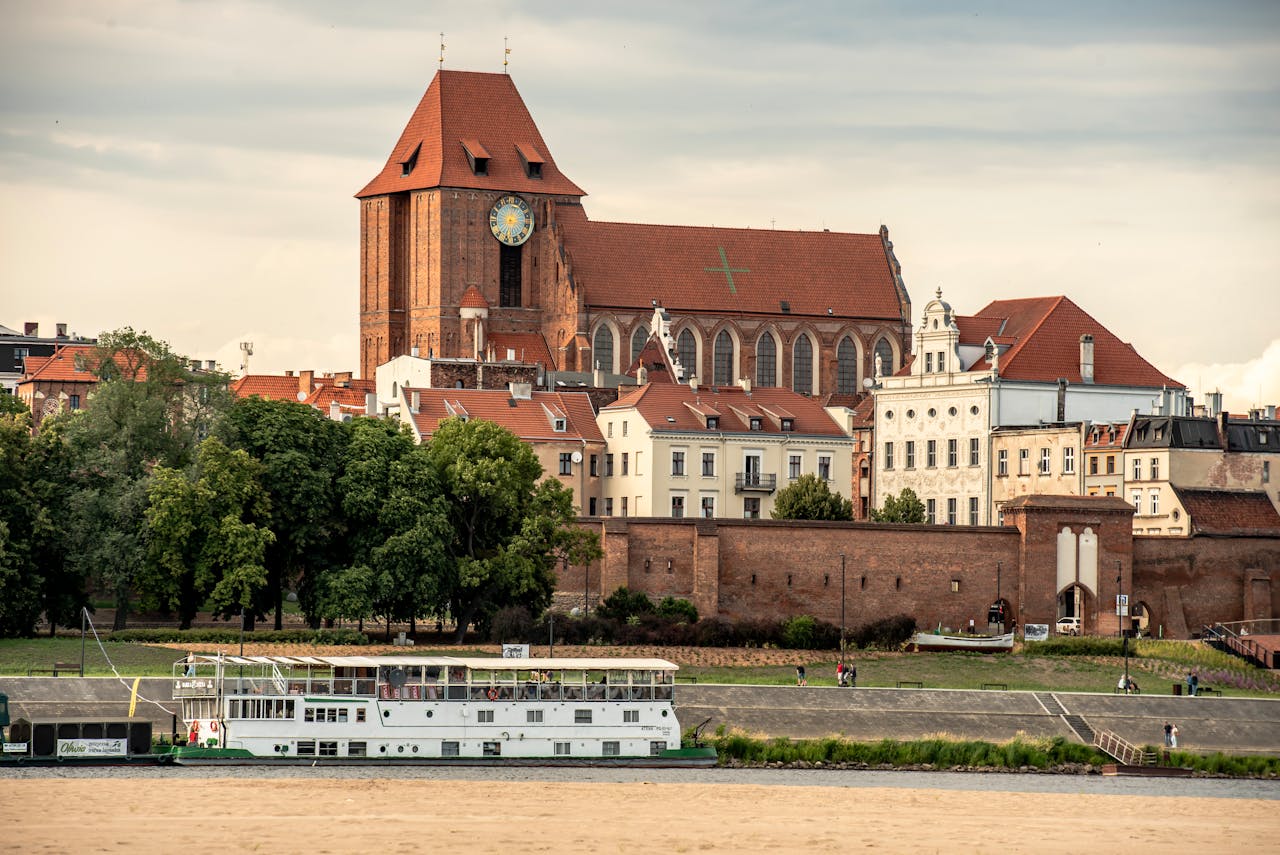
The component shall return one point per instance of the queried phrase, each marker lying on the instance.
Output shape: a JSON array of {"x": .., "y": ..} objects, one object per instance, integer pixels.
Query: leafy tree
[
  {"x": 301, "y": 454},
  {"x": 680, "y": 611},
  {"x": 204, "y": 541},
  {"x": 20, "y": 581},
  {"x": 11, "y": 405},
  {"x": 906, "y": 507},
  {"x": 506, "y": 530},
  {"x": 809, "y": 498},
  {"x": 625, "y": 603}
]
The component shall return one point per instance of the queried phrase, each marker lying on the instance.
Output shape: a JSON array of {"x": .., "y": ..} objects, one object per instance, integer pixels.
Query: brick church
[{"x": 475, "y": 245}]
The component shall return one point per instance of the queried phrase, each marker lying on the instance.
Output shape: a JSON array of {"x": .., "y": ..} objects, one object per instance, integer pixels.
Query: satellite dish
[
  {"x": 302, "y": 396},
  {"x": 577, "y": 457},
  {"x": 867, "y": 382}
]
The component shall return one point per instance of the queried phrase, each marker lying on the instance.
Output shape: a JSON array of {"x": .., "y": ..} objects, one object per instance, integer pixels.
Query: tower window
[
  {"x": 509, "y": 276},
  {"x": 409, "y": 163}
]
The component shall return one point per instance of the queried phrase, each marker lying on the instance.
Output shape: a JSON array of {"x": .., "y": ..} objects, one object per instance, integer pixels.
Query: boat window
[
  {"x": 582, "y": 716},
  {"x": 562, "y": 749},
  {"x": 306, "y": 748},
  {"x": 630, "y": 716},
  {"x": 328, "y": 749},
  {"x": 612, "y": 748},
  {"x": 656, "y": 747},
  {"x": 492, "y": 749},
  {"x": 449, "y": 749},
  {"x": 360, "y": 714},
  {"x": 357, "y": 749}
]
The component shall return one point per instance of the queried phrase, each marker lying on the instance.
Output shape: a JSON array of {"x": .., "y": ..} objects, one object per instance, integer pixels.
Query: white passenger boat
[
  {"x": 978, "y": 643},
  {"x": 348, "y": 710}
]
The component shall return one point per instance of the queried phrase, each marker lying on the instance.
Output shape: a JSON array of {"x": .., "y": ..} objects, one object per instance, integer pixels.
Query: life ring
[
  {"x": 213, "y": 726},
  {"x": 492, "y": 693}
]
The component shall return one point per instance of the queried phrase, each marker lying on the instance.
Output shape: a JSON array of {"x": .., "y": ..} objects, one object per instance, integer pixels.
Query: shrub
[
  {"x": 1078, "y": 645},
  {"x": 624, "y": 603},
  {"x": 885, "y": 634},
  {"x": 805, "y": 633},
  {"x": 232, "y": 636},
  {"x": 513, "y": 624},
  {"x": 714, "y": 632},
  {"x": 679, "y": 611}
]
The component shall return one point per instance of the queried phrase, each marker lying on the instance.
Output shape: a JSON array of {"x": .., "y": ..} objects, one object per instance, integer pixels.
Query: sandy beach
[{"x": 331, "y": 816}]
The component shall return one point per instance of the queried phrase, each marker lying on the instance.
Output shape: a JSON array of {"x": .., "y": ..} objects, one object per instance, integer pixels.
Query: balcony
[{"x": 754, "y": 482}]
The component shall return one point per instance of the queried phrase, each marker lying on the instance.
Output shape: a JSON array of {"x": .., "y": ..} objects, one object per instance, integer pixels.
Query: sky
[{"x": 188, "y": 168}]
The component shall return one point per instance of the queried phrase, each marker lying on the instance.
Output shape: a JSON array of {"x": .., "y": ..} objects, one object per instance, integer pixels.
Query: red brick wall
[{"x": 1189, "y": 582}]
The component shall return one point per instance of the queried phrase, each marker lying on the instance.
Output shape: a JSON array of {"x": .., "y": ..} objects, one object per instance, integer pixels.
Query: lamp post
[
  {"x": 1124, "y": 636},
  {"x": 841, "y": 606}
]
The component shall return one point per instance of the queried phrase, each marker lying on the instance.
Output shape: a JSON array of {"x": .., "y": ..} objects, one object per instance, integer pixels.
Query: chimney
[
  {"x": 370, "y": 404},
  {"x": 1214, "y": 402},
  {"x": 1086, "y": 358},
  {"x": 693, "y": 383},
  {"x": 1062, "y": 399},
  {"x": 306, "y": 379},
  {"x": 597, "y": 377},
  {"x": 31, "y": 328},
  {"x": 642, "y": 375},
  {"x": 1223, "y": 422},
  {"x": 61, "y": 330},
  {"x": 1271, "y": 412},
  {"x": 415, "y": 401},
  {"x": 211, "y": 365},
  {"x": 335, "y": 411},
  {"x": 521, "y": 391},
  {"x": 413, "y": 351}
]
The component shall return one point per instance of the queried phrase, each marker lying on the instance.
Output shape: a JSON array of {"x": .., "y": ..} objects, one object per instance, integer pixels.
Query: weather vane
[
  {"x": 442, "y": 51},
  {"x": 506, "y": 52}
]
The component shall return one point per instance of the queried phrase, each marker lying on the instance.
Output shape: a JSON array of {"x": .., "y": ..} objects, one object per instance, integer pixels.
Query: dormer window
[
  {"x": 407, "y": 165},
  {"x": 713, "y": 422},
  {"x": 532, "y": 160},
  {"x": 757, "y": 423},
  {"x": 560, "y": 425},
  {"x": 477, "y": 157},
  {"x": 788, "y": 424}
]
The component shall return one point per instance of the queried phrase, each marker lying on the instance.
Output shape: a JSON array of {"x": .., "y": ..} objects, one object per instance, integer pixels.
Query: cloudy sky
[{"x": 188, "y": 167}]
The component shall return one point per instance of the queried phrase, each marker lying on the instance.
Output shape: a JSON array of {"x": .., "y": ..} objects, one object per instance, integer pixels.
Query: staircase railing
[
  {"x": 1234, "y": 638},
  {"x": 1126, "y": 752}
]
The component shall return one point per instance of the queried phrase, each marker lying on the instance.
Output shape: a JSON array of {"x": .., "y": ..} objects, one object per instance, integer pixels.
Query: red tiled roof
[
  {"x": 656, "y": 361},
  {"x": 1113, "y": 438},
  {"x": 1047, "y": 331},
  {"x": 61, "y": 366},
  {"x": 528, "y": 347},
  {"x": 473, "y": 299},
  {"x": 271, "y": 387},
  {"x": 1224, "y": 512},
  {"x": 527, "y": 418},
  {"x": 701, "y": 269},
  {"x": 351, "y": 400},
  {"x": 657, "y": 403},
  {"x": 482, "y": 109}
]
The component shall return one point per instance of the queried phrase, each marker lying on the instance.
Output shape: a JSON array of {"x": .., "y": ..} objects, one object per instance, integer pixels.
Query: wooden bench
[
  {"x": 1132, "y": 691},
  {"x": 910, "y": 684},
  {"x": 58, "y": 668},
  {"x": 1003, "y": 687},
  {"x": 1208, "y": 690}
]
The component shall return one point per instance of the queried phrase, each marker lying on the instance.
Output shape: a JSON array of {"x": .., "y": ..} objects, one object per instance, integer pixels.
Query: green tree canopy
[
  {"x": 809, "y": 498},
  {"x": 906, "y": 507},
  {"x": 21, "y": 583}
]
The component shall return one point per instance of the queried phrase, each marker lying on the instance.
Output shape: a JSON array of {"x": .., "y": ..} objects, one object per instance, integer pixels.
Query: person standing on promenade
[
  {"x": 840, "y": 674},
  {"x": 851, "y": 675},
  {"x": 800, "y": 680},
  {"x": 1168, "y": 735},
  {"x": 1173, "y": 736}
]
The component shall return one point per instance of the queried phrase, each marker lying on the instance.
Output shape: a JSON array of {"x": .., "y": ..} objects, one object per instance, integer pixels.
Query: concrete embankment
[{"x": 1230, "y": 725}]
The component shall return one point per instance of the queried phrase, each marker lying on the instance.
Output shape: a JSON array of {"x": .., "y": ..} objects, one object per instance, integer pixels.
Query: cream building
[
  {"x": 677, "y": 450},
  {"x": 1036, "y": 461}
]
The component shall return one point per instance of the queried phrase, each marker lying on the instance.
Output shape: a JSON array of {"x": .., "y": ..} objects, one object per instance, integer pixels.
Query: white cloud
[{"x": 1244, "y": 385}]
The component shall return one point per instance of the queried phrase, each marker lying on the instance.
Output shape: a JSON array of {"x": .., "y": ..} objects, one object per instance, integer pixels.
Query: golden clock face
[{"x": 511, "y": 220}]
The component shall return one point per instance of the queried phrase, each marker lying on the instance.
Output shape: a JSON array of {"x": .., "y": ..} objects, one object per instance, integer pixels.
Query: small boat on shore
[
  {"x": 423, "y": 710},
  {"x": 936, "y": 641}
]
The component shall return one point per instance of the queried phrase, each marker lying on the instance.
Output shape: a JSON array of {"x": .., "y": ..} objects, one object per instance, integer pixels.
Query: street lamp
[
  {"x": 841, "y": 606},
  {"x": 1124, "y": 636}
]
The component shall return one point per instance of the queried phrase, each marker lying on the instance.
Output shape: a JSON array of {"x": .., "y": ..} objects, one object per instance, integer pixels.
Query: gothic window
[
  {"x": 802, "y": 366},
  {"x": 602, "y": 349},
  {"x": 884, "y": 350},
  {"x": 723, "y": 374},
  {"x": 638, "y": 338},
  {"x": 846, "y": 368},
  {"x": 687, "y": 350},
  {"x": 766, "y": 360},
  {"x": 509, "y": 275}
]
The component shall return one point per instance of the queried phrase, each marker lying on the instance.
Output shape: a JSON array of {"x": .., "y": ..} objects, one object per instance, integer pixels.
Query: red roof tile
[
  {"x": 659, "y": 403},
  {"x": 271, "y": 387},
  {"x": 528, "y": 418},
  {"x": 484, "y": 109},
  {"x": 350, "y": 400},
  {"x": 1047, "y": 333},
  {"x": 700, "y": 269},
  {"x": 1223, "y": 512},
  {"x": 61, "y": 366},
  {"x": 473, "y": 299},
  {"x": 527, "y": 347}
]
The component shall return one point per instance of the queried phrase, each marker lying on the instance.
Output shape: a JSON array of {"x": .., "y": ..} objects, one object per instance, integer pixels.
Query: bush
[
  {"x": 715, "y": 632},
  {"x": 512, "y": 625},
  {"x": 232, "y": 636},
  {"x": 1077, "y": 645},
  {"x": 885, "y": 634},
  {"x": 624, "y": 603},
  {"x": 680, "y": 611}
]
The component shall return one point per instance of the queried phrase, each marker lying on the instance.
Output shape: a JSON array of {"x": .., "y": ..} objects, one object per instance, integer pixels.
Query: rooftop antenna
[
  {"x": 246, "y": 349},
  {"x": 442, "y": 51},
  {"x": 506, "y": 52}
]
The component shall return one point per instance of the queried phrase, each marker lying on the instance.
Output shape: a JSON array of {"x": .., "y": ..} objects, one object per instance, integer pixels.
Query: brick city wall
[{"x": 767, "y": 569}]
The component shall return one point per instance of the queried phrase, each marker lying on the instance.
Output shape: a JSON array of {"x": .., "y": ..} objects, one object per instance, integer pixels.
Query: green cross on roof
[{"x": 726, "y": 270}]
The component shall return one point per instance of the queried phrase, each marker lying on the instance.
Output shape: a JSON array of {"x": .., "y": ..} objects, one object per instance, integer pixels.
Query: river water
[{"x": 1226, "y": 788}]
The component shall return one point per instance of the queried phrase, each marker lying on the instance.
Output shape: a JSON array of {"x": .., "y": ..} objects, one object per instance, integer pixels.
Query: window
[
  {"x": 953, "y": 453},
  {"x": 911, "y": 454},
  {"x": 602, "y": 349},
  {"x": 677, "y": 463},
  {"x": 942, "y": 361},
  {"x": 533, "y": 716},
  {"x": 608, "y": 506},
  {"x": 713, "y": 422},
  {"x": 357, "y": 749},
  {"x": 708, "y": 464},
  {"x": 1024, "y": 461},
  {"x": 677, "y": 507},
  {"x": 1136, "y": 498},
  {"x": 624, "y": 505},
  {"x": 608, "y": 465},
  {"x": 928, "y": 363},
  {"x": 491, "y": 749},
  {"x": 1266, "y": 472},
  {"x": 846, "y": 367},
  {"x": 306, "y": 748},
  {"x": 1002, "y": 462},
  {"x": 951, "y": 511},
  {"x": 931, "y": 511},
  {"x": 656, "y": 747},
  {"x": 624, "y": 428},
  {"x": 638, "y": 338},
  {"x": 449, "y": 749},
  {"x": 566, "y": 463},
  {"x": 1155, "y": 502},
  {"x": 722, "y": 375},
  {"x": 1045, "y": 455},
  {"x": 802, "y": 366},
  {"x": 1155, "y": 468},
  {"x": 751, "y": 508},
  {"x": 1093, "y": 464},
  {"x": 582, "y": 716},
  {"x": 955, "y": 586},
  {"x": 931, "y": 454},
  {"x": 1137, "y": 469},
  {"x": 793, "y": 466},
  {"x": 1068, "y": 461},
  {"x": 611, "y": 748},
  {"x": 595, "y": 465},
  {"x": 74, "y": 401},
  {"x": 824, "y": 467},
  {"x": 591, "y": 503},
  {"x": 484, "y": 716},
  {"x": 708, "y": 506},
  {"x": 562, "y": 749},
  {"x": 973, "y": 510},
  {"x": 687, "y": 350},
  {"x": 766, "y": 361},
  {"x": 560, "y": 425},
  {"x": 757, "y": 423},
  {"x": 888, "y": 455},
  {"x": 630, "y": 716},
  {"x": 884, "y": 355},
  {"x": 788, "y": 425},
  {"x": 609, "y": 430},
  {"x": 973, "y": 451},
  {"x": 1111, "y": 464}
]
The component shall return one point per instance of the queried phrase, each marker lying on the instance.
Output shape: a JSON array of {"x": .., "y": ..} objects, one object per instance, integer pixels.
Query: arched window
[
  {"x": 638, "y": 338},
  {"x": 884, "y": 350},
  {"x": 687, "y": 350},
  {"x": 802, "y": 366},
  {"x": 602, "y": 348},
  {"x": 766, "y": 361},
  {"x": 846, "y": 367},
  {"x": 723, "y": 374}
]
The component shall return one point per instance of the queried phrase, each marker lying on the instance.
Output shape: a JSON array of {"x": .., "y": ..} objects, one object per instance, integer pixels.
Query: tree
[
  {"x": 809, "y": 498},
  {"x": 906, "y": 507},
  {"x": 506, "y": 531},
  {"x": 20, "y": 581},
  {"x": 11, "y": 405}
]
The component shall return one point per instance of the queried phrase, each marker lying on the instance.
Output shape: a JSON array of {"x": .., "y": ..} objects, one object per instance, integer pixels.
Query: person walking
[
  {"x": 851, "y": 675},
  {"x": 800, "y": 680},
  {"x": 1168, "y": 735},
  {"x": 840, "y": 674}
]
